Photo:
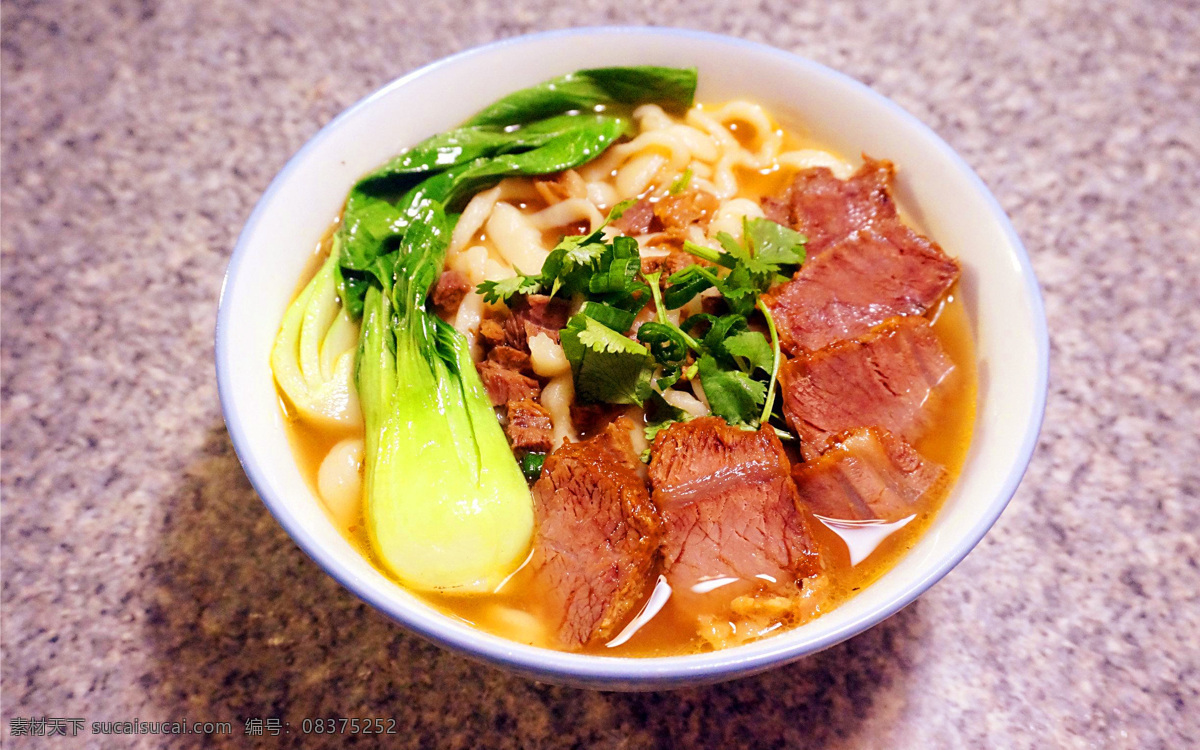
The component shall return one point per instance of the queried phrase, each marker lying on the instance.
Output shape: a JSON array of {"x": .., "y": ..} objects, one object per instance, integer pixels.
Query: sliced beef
[
  {"x": 729, "y": 510},
  {"x": 597, "y": 536},
  {"x": 827, "y": 210},
  {"x": 864, "y": 280},
  {"x": 869, "y": 474},
  {"x": 529, "y": 428},
  {"x": 637, "y": 219},
  {"x": 449, "y": 291},
  {"x": 504, "y": 385},
  {"x": 882, "y": 379}
]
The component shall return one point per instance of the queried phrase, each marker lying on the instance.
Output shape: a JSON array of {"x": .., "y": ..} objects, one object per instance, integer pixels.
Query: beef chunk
[
  {"x": 827, "y": 210},
  {"x": 869, "y": 474},
  {"x": 511, "y": 359},
  {"x": 882, "y": 379},
  {"x": 637, "y": 219},
  {"x": 532, "y": 315},
  {"x": 687, "y": 208},
  {"x": 861, "y": 282},
  {"x": 597, "y": 536},
  {"x": 529, "y": 428},
  {"x": 504, "y": 385},
  {"x": 729, "y": 510},
  {"x": 449, "y": 291}
]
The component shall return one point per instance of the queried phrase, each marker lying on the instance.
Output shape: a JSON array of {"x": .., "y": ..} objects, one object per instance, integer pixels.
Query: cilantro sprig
[{"x": 735, "y": 365}]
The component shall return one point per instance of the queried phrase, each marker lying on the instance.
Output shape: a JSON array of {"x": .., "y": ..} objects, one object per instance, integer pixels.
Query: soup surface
[{"x": 737, "y": 155}]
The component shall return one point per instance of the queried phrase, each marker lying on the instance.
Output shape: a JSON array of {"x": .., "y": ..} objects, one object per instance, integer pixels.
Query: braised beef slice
[
  {"x": 529, "y": 428},
  {"x": 597, "y": 536},
  {"x": 864, "y": 280},
  {"x": 504, "y": 385},
  {"x": 729, "y": 510},
  {"x": 827, "y": 210},
  {"x": 449, "y": 291},
  {"x": 869, "y": 474},
  {"x": 882, "y": 379}
]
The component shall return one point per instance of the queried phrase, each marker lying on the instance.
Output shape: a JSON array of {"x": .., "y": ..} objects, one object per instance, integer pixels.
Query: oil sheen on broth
[{"x": 513, "y": 611}]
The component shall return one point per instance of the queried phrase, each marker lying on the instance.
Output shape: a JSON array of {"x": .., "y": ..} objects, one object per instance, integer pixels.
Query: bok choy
[
  {"x": 313, "y": 356},
  {"x": 446, "y": 505}
]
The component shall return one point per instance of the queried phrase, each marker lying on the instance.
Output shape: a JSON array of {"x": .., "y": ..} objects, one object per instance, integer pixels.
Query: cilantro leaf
[
  {"x": 505, "y": 289},
  {"x": 608, "y": 367},
  {"x": 731, "y": 394},
  {"x": 774, "y": 243},
  {"x": 753, "y": 347}
]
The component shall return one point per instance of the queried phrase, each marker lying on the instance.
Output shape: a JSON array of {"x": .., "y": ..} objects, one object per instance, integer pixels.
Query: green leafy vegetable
[
  {"x": 673, "y": 88},
  {"x": 446, "y": 505},
  {"x": 774, "y": 243},
  {"x": 752, "y": 346},
  {"x": 608, "y": 367},
  {"x": 313, "y": 355},
  {"x": 731, "y": 394},
  {"x": 464, "y": 145}
]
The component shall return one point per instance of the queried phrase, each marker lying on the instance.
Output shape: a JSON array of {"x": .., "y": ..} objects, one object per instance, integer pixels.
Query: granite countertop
[{"x": 142, "y": 577}]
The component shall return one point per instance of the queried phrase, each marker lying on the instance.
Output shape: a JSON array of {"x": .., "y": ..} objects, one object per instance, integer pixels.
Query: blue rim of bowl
[{"x": 651, "y": 672}]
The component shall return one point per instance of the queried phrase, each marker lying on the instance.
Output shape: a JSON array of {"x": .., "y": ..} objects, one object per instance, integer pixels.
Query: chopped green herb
[
  {"x": 731, "y": 394},
  {"x": 531, "y": 465},
  {"x": 608, "y": 366},
  {"x": 681, "y": 182},
  {"x": 506, "y": 289}
]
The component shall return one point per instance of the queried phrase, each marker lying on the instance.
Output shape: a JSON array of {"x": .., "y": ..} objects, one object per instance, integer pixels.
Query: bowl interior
[{"x": 933, "y": 184}]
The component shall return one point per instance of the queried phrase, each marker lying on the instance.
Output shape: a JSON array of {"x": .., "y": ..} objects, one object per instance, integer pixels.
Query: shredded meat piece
[
  {"x": 449, "y": 291},
  {"x": 687, "y": 208},
  {"x": 504, "y": 385},
  {"x": 534, "y": 314},
  {"x": 597, "y": 536},
  {"x": 511, "y": 359},
  {"x": 491, "y": 331},
  {"x": 668, "y": 264},
  {"x": 529, "y": 428}
]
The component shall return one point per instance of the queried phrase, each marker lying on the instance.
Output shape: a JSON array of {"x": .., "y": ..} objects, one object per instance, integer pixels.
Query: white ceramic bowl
[{"x": 954, "y": 205}]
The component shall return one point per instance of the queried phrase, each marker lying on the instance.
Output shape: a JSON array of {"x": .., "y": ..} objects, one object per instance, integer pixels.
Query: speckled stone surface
[{"x": 142, "y": 577}]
